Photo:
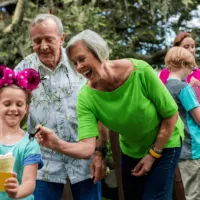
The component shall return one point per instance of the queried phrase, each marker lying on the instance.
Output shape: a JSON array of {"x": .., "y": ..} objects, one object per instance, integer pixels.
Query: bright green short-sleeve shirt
[{"x": 134, "y": 110}]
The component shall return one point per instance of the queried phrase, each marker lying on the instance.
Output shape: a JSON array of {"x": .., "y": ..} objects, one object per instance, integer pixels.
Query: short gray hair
[
  {"x": 43, "y": 17},
  {"x": 95, "y": 43}
]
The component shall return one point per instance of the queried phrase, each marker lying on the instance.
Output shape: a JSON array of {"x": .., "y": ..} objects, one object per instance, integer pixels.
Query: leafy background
[{"x": 141, "y": 29}]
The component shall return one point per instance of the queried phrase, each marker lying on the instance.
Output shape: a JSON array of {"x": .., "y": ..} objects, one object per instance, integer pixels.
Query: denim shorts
[{"x": 158, "y": 184}]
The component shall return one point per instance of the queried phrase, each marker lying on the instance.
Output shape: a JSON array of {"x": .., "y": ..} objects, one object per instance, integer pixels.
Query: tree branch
[
  {"x": 7, "y": 2},
  {"x": 18, "y": 15},
  {"x": 157, "y": 57}
]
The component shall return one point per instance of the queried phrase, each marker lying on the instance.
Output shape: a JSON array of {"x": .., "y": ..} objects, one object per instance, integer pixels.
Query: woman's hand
[
  {"x": 11, "y": 186},
  {"x": 144, "y": 166},
  {"x": 46, "y": 137},
  {"x": 98, "y": 167},
  {"x": 194, "y": 82}
]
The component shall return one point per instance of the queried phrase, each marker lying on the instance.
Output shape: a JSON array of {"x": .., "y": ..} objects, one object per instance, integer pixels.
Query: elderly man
[{"x": 54, "y": 105}]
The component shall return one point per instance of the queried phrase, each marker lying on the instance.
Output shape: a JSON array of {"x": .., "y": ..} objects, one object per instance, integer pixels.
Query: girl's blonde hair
[{"x": 178, "y": 57}]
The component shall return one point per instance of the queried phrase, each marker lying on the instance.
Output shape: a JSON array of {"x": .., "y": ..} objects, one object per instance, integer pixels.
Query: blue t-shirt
[
  {"x": 186, "y": 99},
  {"x": 26, "y": 152}
]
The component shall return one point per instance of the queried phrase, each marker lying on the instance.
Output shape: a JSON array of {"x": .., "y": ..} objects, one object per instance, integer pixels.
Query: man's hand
[
  {"x": 98, "y": 167},
  {"x": 46, "y": 137},
  {"x": 144, "y": 166},
  {"x": 11, "y": 186}
]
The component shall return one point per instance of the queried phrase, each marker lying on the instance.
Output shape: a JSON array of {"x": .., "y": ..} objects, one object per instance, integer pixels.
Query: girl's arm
[{"x": 28, "y": 183}]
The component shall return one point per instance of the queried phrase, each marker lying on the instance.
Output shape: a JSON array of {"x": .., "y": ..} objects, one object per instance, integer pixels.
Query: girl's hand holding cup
[{"x": 11, "y": 185}]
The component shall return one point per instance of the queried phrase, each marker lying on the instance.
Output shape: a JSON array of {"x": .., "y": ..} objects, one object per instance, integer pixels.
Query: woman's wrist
[
  {"x": 153, "y": 158},
  {"x": 154, "y": 154},
  {"x": 57, "y": 144},
  {"x": 159, "y": 151}
]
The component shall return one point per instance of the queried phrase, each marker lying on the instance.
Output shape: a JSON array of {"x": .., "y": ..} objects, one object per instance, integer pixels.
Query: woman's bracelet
[
  {"x": 159, "y": 151},
  {"x": 154, "y": 154}
]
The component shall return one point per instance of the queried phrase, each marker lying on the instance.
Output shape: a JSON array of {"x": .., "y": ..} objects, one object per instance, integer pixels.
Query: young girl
[
  {"x": 14, "y": 99},
  {"x": 180, "y": 63}
]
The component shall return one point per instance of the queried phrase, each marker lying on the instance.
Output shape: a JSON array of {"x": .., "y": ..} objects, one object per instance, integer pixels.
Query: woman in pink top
[{"x": 185, "y": 40}]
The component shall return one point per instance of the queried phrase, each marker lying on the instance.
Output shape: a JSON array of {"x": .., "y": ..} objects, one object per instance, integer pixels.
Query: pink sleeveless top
[{"x": 164, "y": 74}]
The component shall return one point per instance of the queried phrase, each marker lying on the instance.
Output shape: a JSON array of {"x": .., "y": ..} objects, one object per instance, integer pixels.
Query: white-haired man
[{"x": 54, "y": 105}]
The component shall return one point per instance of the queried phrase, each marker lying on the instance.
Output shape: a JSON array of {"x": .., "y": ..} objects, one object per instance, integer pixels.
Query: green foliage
[
  {"x": 187, "y": 2},
  {"x": 132, "y": 28},
  {"x": 14, "y": 46}
]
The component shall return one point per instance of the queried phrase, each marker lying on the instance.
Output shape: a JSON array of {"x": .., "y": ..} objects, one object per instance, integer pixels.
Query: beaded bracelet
[
  {"x": 159, "y": 151},
  {"x": 154, "y": 154}
]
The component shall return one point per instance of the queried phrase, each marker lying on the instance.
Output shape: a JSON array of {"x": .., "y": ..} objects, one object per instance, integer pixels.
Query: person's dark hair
[{"x": 180, "y": 37}]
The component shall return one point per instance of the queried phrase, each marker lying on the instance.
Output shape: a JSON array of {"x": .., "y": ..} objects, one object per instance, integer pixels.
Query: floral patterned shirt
[{"x": 54, "y": 106}]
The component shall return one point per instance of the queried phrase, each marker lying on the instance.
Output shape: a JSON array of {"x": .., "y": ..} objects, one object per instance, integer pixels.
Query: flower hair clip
[{"x": 27, "y": 79}]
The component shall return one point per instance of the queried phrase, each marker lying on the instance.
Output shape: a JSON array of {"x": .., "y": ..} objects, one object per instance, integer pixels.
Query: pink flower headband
[{"x": 27, "y": 79}]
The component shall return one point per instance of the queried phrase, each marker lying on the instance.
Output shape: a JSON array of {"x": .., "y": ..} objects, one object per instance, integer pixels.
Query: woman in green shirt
[{"x": 128, "y": 98}]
